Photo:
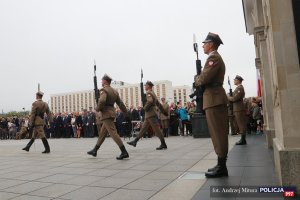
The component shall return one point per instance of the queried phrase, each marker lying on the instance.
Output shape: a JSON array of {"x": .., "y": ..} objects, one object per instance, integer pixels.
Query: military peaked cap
[
  {"x": 40, "y": 93},
  {"x": 149, "y": 83},
  {"x": 212, "y": 37},
  {"x": 107, "y": 78},
  {"x": 237, "y": 77}
]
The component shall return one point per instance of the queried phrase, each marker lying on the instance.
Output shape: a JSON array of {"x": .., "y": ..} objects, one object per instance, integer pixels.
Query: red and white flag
[{"x": 258, "y": 83}]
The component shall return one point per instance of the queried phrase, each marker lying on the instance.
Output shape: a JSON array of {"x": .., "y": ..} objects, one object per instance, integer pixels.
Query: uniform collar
[{"x": 213, "y": 52}]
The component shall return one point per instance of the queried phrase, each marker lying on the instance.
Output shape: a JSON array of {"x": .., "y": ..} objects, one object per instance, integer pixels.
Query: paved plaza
[{"x": 69, "y": 173}]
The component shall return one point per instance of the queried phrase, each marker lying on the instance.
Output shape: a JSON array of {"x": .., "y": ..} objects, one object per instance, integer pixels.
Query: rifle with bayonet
[
  {"x": 97, "y": 94},
  {"x": 230, "y": 103},
  {"x": 198, "y": 91},
  {"x": 143, "y": 95}
]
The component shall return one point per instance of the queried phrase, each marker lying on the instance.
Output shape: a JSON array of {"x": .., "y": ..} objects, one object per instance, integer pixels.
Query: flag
[{"x": 258, "y": 83}]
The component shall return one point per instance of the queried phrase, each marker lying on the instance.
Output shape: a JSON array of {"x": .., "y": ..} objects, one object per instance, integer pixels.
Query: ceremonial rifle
[
  {"x": 97, "y": 94},
  {"x": 198, "y": 91},
  {"x": 230, "y": 103},
  {"x": 143, "y": 96}
]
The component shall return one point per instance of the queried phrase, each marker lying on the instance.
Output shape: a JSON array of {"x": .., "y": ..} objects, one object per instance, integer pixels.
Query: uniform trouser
[
  {"x": 165, "y": 123},
  {"x": 108, "y": 125},
  {"x": 233, "y": 125},
  {"x": 240, "y": 118},
  {"x": 152, "y": 121},
  {"x": 218, "y": 126},
  {"x": 38, "y": 132}
]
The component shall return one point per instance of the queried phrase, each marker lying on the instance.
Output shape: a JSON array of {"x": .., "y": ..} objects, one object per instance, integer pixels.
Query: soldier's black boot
[
  {"x": 46, "y": 145},
  {"x": 212, "y": 169},
  {"x": 93, "y": 152},
  {"x": 133, "y": 142},
  {"x": 162, "y": 145},
  {"x": 124, "y": 153},
  {"x": 28, "y": 145},
  {"x": 242, "y": 140},
  {"x": 220, "y": 170}
]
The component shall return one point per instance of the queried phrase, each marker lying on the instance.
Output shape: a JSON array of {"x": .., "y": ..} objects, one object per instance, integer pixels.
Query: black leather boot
[
  {"x": 46, "y": 145},
  {"x": 93, "y": 152},
  {"x": 133, "y": 142},
  {"x": 124, "y": 153},
  {"x": 220, "y": 170},
  {"x": 212, "y": 169},
  {"x": 242, "y": 141},
  {"x": 162, "y": 145},
  {"x": 28, "y": 145}
]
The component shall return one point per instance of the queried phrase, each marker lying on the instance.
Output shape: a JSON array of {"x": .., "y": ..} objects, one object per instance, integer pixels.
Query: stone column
[
  {"x": 263, "y": 65},
  {"x": 279, "y": 62},
  {"x": 285, "y": 75}
]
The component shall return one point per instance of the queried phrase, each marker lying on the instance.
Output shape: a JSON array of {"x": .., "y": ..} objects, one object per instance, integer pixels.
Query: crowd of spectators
[{"x": 83, "y": 124}]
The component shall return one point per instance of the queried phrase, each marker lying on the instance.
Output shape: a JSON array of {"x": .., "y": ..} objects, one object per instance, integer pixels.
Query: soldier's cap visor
[
  {"x": 107, "y": 78},
  {"x": 40, "y": 93},
  {"x": 237, "y": 77},
  {"x": 211, "y": 37},
  {"x": 149, "y": 83}
]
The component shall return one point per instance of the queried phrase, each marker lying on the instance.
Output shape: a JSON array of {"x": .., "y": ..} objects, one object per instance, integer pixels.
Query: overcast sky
[{"x": 55, "y": 42}]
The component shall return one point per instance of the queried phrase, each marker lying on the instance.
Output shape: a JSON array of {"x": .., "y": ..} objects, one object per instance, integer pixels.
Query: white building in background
[
  {"x": 181, "y": 94},
  {"x": 129, "y": 93}
]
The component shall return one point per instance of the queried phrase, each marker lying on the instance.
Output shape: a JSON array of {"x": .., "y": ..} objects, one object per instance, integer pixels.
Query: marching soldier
[
  {"x": 165, "y": 120},
  {"x": 239, "y": 108},
  {"x": 36, "y": 121},
  {"x": 150, "y": 118},
  {"x": 215, "y": 102},
  {"x": 108, "y": 97}
]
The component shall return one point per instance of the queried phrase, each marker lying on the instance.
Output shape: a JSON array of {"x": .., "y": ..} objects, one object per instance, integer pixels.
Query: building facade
[
  {"x": 129, "y": 93},
  {"x": 275, "y": 25},
  {"x": 181, "y": 94}
]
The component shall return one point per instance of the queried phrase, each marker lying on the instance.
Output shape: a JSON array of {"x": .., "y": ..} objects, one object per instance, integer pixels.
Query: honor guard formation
[{"x": 112, "y": 118}]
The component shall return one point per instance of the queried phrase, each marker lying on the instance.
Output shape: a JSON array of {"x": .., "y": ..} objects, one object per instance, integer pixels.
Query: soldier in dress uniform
[
  {"x": 36, "y": 121},
  {"x": 239, "y": 111},
  {"x": 150, "y": 118},
  {"x": 215, "y": 102},
  {"x": 165, "y": 120},
  {"x": 108, "y": 97}
]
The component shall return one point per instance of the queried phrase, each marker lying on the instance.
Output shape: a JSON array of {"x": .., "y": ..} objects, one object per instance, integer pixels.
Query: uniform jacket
[
  {"x": 212, "y": 78},
  {"x": 167, "y": 109},
  {"x": 38, "y": 109},
  {"x": 150, "y": 105},
  {"x": 108, "y": 97},
  {"x": 237, "y": 99}
]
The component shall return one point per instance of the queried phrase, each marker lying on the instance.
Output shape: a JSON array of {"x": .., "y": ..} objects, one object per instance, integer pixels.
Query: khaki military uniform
[
  {"x": 165, "y": 120},
  {"x": 239, "y": 111},
  {"x": 215, "y": 102},
  {"x": 150, "y": 116},
  {"x": 107, "y": 114},
  {"x": 39, "y": 108}
]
